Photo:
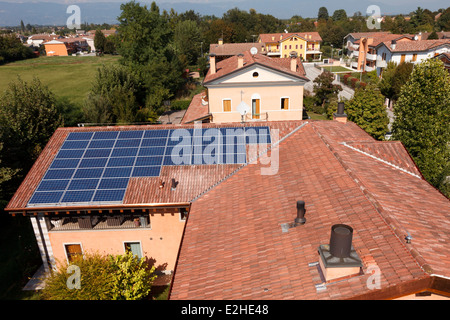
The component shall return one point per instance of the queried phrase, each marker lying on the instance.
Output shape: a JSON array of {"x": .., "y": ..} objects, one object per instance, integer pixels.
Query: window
[
  {"x": 73, "y": 252},
  {"x": 296, "y": 46},
  {"x": 290, "y": 46},
  {"x": 226, "y": 105},
  {"x": 301, "y": 46},
  {"x": 255, "y": 74},
  {"x": 134, "y": 247},
  {"x": 284, "y": 103},
  {"x": 402, "y": 58},
  {"x": 285, "y": 46},
  {"x": 414, "y": 58}
]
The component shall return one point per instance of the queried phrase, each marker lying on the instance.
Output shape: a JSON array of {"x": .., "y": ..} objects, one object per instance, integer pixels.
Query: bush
[
  {"x": 180, "y": 105},
  {"x": 103, "y": 277}
]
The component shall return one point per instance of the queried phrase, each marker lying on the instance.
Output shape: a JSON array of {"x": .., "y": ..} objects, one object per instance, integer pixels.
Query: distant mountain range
[{"x": 49, "y": 13}]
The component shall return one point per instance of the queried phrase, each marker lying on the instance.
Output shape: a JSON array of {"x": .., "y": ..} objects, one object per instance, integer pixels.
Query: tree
[
  {"x": 99, "y": 41},
  {"x": 115, "y": 96},
  {"x": 422, "y": 117},
  {"x": 322, "y": 14},
  {"x": 367, "y": 110},
  {"x": 385, "y": 85},
  {"x": 339, "y": 15},
  {"x": 144, "y": 44},
  {"x": 12, "y": 49},
  {"x": 103, "y": 277},
  {"x": 187, "y": 40},
  {"x": 394, "y": 77},
  {"x": 324, "y": 88},
  {"x": 433, "y": 36},
  {"x": 28, "y": 118}
]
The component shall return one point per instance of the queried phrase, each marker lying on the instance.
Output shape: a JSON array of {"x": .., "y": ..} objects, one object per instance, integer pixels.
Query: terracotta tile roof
[
  {"x": 232, "y": 49},
  {"x": 234, "y": 248},
  {"x": 383, "y": 37},
  {"x": 417, "y": 45},
  {"x": 267, "y": 37},
  {"x": 359, "y": 35},
  {"x": 198, "y": 109},
  {"x": 230, "y": 65}
]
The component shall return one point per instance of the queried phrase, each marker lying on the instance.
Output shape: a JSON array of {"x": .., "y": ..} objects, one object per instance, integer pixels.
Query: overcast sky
[{"x": 13, "y": 12}]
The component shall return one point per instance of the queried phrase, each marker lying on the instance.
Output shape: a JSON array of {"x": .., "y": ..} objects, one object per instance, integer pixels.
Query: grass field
[
  {"x": 69, "y": 78},
  {"x": 337, "y": 69}
]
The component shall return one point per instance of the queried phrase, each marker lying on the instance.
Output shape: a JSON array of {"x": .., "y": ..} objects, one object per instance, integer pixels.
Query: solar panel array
[{"x": 95, "y": 167}]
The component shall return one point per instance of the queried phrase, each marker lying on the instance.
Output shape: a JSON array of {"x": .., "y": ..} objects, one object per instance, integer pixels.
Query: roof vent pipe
[
  {"x": 341, "y": 240},
  {"x": 300, "y": 213}
]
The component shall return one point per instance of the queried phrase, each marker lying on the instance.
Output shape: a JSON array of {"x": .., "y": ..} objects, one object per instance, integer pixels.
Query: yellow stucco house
[
  {"x": 250, "y": 87},
  {"x": 305, "y": 44}
]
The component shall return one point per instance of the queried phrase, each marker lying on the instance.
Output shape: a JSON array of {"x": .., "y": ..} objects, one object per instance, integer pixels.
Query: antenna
[{"x": 253, "y": 51}]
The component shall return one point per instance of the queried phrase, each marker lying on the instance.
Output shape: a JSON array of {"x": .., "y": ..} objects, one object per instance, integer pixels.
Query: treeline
[{"x": 12, "y": 49}]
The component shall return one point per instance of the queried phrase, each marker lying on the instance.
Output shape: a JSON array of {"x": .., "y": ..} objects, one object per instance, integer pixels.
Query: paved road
[{"x": 312, "y": 73}]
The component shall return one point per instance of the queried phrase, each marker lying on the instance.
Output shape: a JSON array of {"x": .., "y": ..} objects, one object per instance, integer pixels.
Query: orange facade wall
[
  {"x": 58, "y": 49},
  {"x": 160, "y": 242}
]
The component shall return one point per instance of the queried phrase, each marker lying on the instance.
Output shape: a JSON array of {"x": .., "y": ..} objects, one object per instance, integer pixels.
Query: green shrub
[
  {"x": 180, "y": 104},
  {"x": 103, "y": 277}
]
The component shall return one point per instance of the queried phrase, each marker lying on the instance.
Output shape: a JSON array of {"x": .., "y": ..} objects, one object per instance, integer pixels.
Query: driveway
[{"x": 312, "y": 73}]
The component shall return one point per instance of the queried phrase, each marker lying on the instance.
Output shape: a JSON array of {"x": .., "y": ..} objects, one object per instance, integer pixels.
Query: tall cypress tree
[{"x": 422, "y": 121}]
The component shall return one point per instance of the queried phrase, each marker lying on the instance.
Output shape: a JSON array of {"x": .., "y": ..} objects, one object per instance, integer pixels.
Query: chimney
[
  {"x": 212, "y": 63},
  {"x": 300, "y": 213},
  {"x": 294, "y": 65},
  {"x": 300, "y": 220},
  {"x": 220, "y": 41},
  {"x": 240, "y": 60},
  {"x": 174, "y": 184},
  {"x": 339, "y": 259},
  {"x": 340, "y": 114},
  {"x": 393, "y": 44}
]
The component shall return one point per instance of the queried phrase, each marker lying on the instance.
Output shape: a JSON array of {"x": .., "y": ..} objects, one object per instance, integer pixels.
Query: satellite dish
[
  {"x": 253, "y": 51},
  {"x": 243, "y": 108}
]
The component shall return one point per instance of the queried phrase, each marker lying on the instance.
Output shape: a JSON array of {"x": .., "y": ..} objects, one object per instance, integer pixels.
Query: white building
[{"x": 409, "y": 51}]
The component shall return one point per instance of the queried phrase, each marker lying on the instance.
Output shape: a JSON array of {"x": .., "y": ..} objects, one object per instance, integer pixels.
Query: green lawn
[
  {"x": 69, "y": 77},
  {"x": 337, "y": 69}
]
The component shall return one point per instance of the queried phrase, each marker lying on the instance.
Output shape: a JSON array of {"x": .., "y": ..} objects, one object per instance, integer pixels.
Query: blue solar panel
[
  {"x": 45, "y": 197},
  {"x": 97, "y": 153},
  {"x": 70, "y": 154},
  {"x": 146, "y": 171},
  {"x": 64, "y": 163},
  {"x": 79, "y": 136},
  {"x": 117, "y": 172},
  {"x": 78, "y": 196},
  {"x": 112, "y": 135},
  {"x": 109, "y": 195},
  {"x": 148, "y": 161},
  {"x": 156, "y": 151},
  {"x": 53, "y": 185},
  {"x": 88, "y": 173},
  {"x": 156, "y": 134},
  {"x": 83, "y": 184},
  {"x": 154, "y": 142},
  {"x": 93, "y": 163},
  {"x": 107, "y": 144},
  {"x": 97, "y": 166},
  {"x": 116, "y": 183},
  {"x": 131, "y": 134},
  {"x": 125, "y": 152},
  {"x": 59, "y": 174},
  {"x": 121, "y": 162}
]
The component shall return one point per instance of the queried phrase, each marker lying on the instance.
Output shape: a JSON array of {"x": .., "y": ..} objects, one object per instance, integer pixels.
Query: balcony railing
[
  {"x": 381, "y": 63},
  {"x": 98, "y": 223},
  {"x": 371, "y": 57}
]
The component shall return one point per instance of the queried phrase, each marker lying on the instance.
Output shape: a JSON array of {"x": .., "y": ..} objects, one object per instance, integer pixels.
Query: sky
[{"x": 37, "y": 11}]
